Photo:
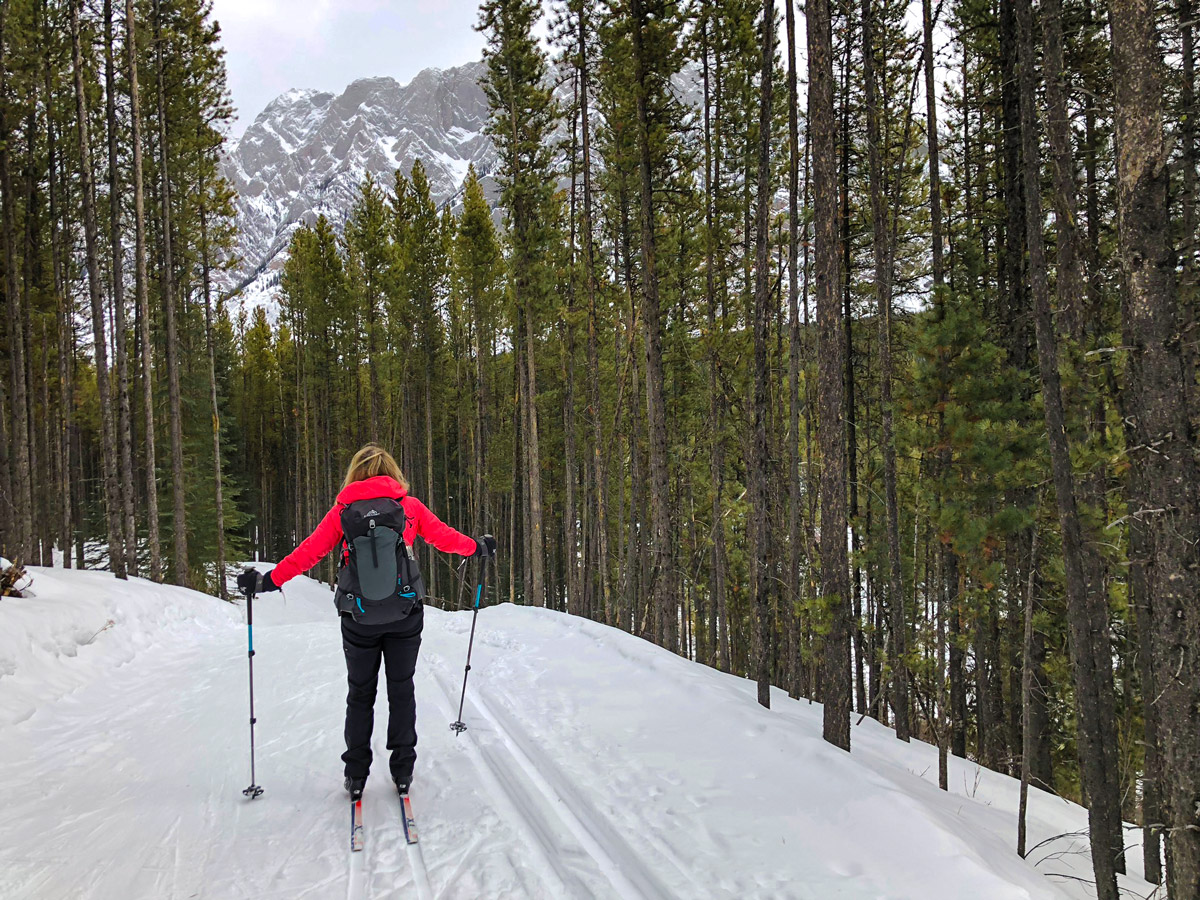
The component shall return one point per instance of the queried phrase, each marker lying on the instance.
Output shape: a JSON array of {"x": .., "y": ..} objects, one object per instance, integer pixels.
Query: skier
[{"x": 378, "y": 597}]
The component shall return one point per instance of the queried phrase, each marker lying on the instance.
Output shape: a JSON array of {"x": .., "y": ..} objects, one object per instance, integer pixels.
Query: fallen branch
[
  {"x": 107, "y": 625},
  {"x": 10, "y": 578}
]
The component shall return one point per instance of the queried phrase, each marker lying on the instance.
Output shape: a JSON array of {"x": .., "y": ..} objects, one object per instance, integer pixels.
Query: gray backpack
[{"x": 379, "y": 580}]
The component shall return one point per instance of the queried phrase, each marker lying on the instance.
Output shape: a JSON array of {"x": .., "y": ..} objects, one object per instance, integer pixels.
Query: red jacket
[{"x": 421, "y": 522}]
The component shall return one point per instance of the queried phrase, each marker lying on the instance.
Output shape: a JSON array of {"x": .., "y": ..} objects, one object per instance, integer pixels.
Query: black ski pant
[{"x": 397, "y": 643}]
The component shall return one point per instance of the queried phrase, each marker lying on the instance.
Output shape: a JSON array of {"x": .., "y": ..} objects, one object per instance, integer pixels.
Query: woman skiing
[{"x": 378, "y": 597}]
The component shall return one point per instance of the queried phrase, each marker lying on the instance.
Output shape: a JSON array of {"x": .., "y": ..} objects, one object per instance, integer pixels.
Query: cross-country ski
[
  {"x": 407, "y": 819},
  {"x": 356, "y": 825}
]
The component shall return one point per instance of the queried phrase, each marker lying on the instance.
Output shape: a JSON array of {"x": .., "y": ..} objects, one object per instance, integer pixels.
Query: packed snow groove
[{"x": 594, "y": 765}]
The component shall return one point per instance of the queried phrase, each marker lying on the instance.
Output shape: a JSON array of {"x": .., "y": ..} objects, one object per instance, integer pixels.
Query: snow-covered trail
[{"x": 595, "y": 765}]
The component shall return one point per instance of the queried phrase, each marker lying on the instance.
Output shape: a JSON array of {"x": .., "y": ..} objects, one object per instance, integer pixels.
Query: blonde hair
[{"x": 370, "y": 461}]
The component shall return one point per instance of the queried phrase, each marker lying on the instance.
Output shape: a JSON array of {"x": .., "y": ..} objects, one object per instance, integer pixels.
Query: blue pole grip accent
[
  {"x": 478, "y": 593},
  {"x": 250, "y": 638}
]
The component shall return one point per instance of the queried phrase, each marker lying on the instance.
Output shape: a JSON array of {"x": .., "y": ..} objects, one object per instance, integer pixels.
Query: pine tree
[
  {"x": 424, "y": 263},
  {"x": 124, "y": 423},
  {"x": 477, "y": 267},
  {"x": 112, "y": 493},
  {"x": 141, "y": 286},
  {"x": 1164, "y": 482},
  {"x": 19, "y": 488},
  {"x": 759, "y": 473},
  {"x": 372, "y": 262},
  {"x": 523, "y": 115},
  {"x": 883, "y": 251},
  {"x": 831, "y": 397},
  {"x": 1086, "y": 610},
  {"x": 179, "y": 535}
]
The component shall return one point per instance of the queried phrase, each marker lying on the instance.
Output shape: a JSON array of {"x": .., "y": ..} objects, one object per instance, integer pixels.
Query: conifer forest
[{"x": 849, "y": 346}]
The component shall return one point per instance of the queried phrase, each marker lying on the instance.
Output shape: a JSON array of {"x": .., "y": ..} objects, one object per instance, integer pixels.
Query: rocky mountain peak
[{"x": 307, "y": 152}]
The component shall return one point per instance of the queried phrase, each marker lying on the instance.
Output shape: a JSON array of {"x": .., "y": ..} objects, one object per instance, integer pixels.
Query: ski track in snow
[
  {"x": 613, "y": 855},
  {"x": 563, "y": 868},
  {"x": 420, "y": 874},
  {"x": 530, "y": 808},
  {"x": 594, "y": 766}
]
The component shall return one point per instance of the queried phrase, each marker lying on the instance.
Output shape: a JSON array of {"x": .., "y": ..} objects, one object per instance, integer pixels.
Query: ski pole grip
[
  {"x": 249, "y": 622},
  {"x": 481, "y": 584}
]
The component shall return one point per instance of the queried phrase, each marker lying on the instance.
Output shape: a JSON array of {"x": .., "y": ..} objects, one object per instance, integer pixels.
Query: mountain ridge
[{"x": 307, "y": 152}]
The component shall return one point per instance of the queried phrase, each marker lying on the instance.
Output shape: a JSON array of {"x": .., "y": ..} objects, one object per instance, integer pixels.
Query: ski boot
[
  {"x": 403, "y": 782},
  {"x": 354, "y": 787}
]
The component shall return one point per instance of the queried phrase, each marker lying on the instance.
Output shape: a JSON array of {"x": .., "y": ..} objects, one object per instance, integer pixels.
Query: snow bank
[
  {"x": 595, "y": 765},
  {"x": 73, "y": 626},
  {"x": 747, "y": 801}
]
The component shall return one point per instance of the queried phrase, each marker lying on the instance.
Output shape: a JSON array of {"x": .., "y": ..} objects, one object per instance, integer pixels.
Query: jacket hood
[{"x": 368, "y": 488}]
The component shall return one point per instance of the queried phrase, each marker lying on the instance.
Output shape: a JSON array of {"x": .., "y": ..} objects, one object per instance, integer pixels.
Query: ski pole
[
  {"x": 254, "y": 790},
  {"x": 460, "y": 726}
]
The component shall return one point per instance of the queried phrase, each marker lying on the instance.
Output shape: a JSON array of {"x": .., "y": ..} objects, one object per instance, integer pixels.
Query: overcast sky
[{"x": 274, "y": 45}]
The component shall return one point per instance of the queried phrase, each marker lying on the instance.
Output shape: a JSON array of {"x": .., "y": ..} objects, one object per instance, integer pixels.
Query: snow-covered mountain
[
  {"x": 308, "y": 151},
  {"x": 595, "y": 765}
]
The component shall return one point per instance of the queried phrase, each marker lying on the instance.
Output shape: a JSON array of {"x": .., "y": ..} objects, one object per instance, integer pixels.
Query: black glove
[
  {"x": 253, "y": 581},
  {"x": 485, "y": 546}
]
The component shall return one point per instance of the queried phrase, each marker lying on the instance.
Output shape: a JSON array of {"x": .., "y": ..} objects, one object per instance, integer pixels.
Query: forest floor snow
[{"x": 595, "y": 765}]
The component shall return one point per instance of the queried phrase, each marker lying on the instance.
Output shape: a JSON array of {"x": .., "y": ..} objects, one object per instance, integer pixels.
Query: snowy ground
[{"x": 595, "y": 765}]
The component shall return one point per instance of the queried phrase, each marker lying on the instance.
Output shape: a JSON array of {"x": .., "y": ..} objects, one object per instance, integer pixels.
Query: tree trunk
[
  {"x": 1027, "y": 733},
  {"x": 143, "y": 300},
  {"x": 6, "y": 476},
  {"x": 1142, "y": 605},
  {"x": 572, "y": 548},
  {"x": 37, "y": 432},
  {"x": 179, "y": 523},
  {"x": 662, "y": 577},
  {"x": 536, "y": 569},
  {"x": 831, "y": 391},
  {"x": 433, "y": 579},
  {"x": 575, "y": 599},
  {"x": 1087, "y": 609},
  {"x": 758, "y": 473},
  {"x": 124, "y": 417},
  {"x": 1069, "y": 270},
  {"x": 1014, "y": 315},
  {"x": 218, "y": 480},
  {"x": 860, "y": 653},
  {"x": 1189, "y": 303},
  {"x": 66, "y": 327},
  {"x": 957, "y": 663},
  {"x": 883, "y": 296},
  {"x": 939, "y": 300},
  {"x": 599, "y": 484},
  {"x": 1161, "y": 439},
  {"x": 795, "y": 497},
  {"x": 720, "y": 656},
  {"x": 112, "y": 492},
  {"x": 21, "y": 536}
]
